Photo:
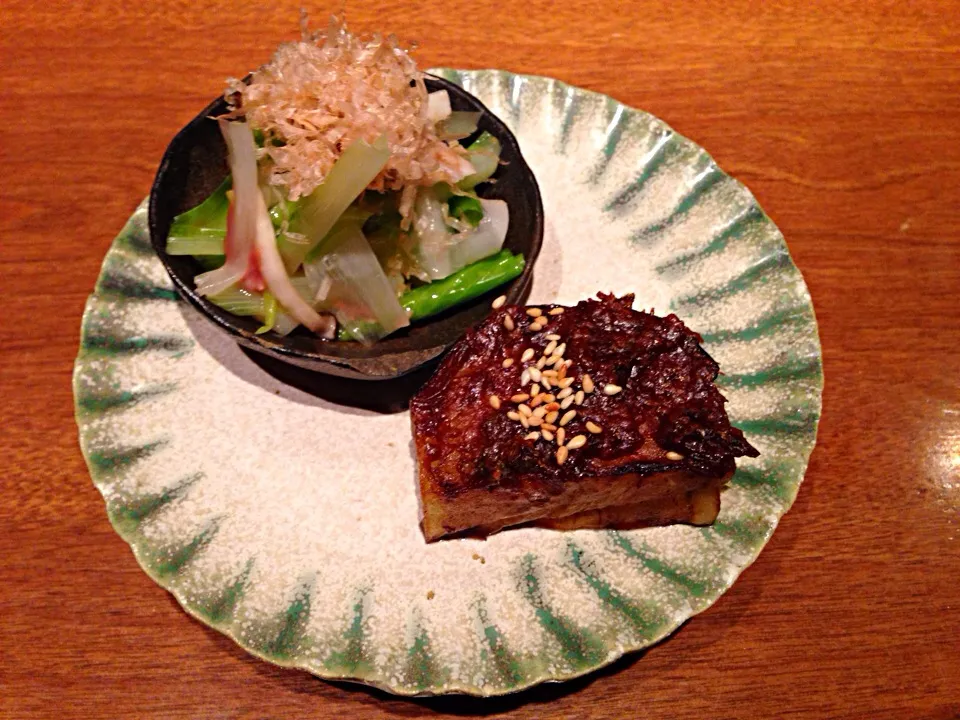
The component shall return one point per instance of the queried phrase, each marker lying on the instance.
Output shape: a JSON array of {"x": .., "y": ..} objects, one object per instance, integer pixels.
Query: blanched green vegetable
[
  {"x": 343, "y": 250},
  {"x": 282, "y": 212},
  {"x": 458, "y": 124},
  {"x": 484, "y": 155},
  {"x": 264, "y": 306},
  {"x": 200, "y": 230},
  {"x": 239, "y": 301},
  {"x": 464, "y": 207},
  {"x": 466, "y": 284},
  {"x": 352, "y": 219},
  {"x": 270, "y": 307},
  {"x": 195, "y": 245},
  {"x": 354, "y": 170},
  {"x": 440, "y": 252}
]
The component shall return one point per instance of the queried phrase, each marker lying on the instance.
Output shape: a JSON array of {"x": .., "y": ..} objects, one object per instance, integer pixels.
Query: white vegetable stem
[
  {"x": 441, "y": 253},
  {"x": 278, "y": 282},
  {"x": 486, "y": 239},
  {"x": 354, "y": 286},
  {"x": 242, "y": 222},
  {"x": 459, "y": 124},
  {"x": 438, "y": 106},
  {"x": 433, "y": 237}
]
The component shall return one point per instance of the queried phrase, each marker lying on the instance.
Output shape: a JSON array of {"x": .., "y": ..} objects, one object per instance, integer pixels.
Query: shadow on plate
[
  {"x": 380, "y": 396},
  {"x": 308, "y": 387},
  {"x": 300, "y": 385}
]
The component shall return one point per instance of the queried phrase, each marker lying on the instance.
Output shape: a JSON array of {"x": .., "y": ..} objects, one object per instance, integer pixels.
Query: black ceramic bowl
[{"x": 194, "y": 165}]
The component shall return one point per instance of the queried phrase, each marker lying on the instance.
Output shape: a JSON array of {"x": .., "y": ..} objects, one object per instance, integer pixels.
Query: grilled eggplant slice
[{"x": 590, "y": 416}]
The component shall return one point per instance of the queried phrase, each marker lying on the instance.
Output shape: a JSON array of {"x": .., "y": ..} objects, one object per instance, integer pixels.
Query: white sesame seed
[
  {"x": 534, "y": 421},
  {"x": 524, "y": 409},
  {"x": 498, "y": 303},
  {"x": 548, "y": 350},
  {"x": 562, "y": 372},
  {"x": 534, "y": 312},
  {"x": 562, "y": 453},
  {"x": 577, "y": 442},
  {"x": 556, "y": 311},
  {"x": 561, "y": 349},
  {"x": 547, "y": 382},
  {"x": 508, "y": 322},
  {"x": 566, "y": 382},
  {"x": 568, "y": 416},
  {"x": 495, "y": 402},
  {"x": 593, "y": 427},
  {"x": 548, "y": 426},
  {"x": 535, "y": 374},
  {"x": 611, "y": 389},
  {"x": 578, "y": 398},
  {"x": 567, "y": 402},
  {"x": 587, "y": 383},
  {"x": 527, "y": 355},
  {"x": 532, "y": 436},
  {"x": 568, "y": 363},
  {"x": 508, "y": 362},
  {"x": 534, "y": 390},
  {"x": 536, "y": 400},
  {"x": 551, "y": 373},
  {"x": 553, "y": 336},
  {"x": 551, "y": 416},
  {"x": 566, "y": 392},
  {"x": 548, "y": 398},
  {"x": 551, "y": 406},
  {"x": 524, "y": 377},
  {"x": 552, "y": 360},
  {"x": 540, "y": 411},
  {"x": 547, "y": 435},
  {"x": 513, "y": 415},
  {"x": 519, "y": 397},
  {"x": 541, "y": 362},
  {"x": 561, "y": 435},
  {"x": 524, "y": 420},
  {"x": 674, "y": 456}
]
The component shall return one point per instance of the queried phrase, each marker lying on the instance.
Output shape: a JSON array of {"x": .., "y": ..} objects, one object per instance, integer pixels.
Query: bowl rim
[{"x": 360, "y": 356}]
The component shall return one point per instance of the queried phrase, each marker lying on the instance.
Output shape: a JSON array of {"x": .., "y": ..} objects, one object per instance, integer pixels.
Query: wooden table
[{"x": 842, "y": 117}]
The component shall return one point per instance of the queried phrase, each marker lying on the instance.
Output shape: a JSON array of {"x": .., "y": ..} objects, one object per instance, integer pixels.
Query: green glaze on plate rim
[{"x": 289, "y": 523}]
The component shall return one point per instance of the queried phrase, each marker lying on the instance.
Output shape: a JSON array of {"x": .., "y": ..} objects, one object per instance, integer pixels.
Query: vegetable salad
[{"x": 351, "y": 204}]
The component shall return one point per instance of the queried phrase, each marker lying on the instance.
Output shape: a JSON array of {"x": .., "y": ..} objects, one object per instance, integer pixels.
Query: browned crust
[{"x": 663, "y": 448}]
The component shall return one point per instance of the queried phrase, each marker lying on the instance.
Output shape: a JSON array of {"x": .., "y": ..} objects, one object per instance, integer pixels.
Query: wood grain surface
[{"x": 842, "y": 117}]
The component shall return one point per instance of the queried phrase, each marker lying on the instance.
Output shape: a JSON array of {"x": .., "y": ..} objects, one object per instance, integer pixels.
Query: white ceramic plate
[{"x": 290, "y": 523}]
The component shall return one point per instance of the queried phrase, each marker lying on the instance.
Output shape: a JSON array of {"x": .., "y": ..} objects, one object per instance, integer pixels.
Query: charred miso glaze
[{"x": 668, "y": 401}]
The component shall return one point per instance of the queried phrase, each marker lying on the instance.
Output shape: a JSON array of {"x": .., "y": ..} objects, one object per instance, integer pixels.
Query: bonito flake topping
[{"x": 319, "y": 95}]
